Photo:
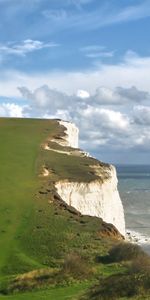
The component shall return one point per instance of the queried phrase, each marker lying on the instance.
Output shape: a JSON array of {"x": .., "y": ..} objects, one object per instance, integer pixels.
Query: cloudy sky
[{"x": 87, "y": 61}]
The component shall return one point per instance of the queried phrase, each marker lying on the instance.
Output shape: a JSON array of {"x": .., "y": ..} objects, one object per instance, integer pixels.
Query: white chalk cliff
[
  {"x": 71, "y": 137},
  {"x": 96, "y": 198}
]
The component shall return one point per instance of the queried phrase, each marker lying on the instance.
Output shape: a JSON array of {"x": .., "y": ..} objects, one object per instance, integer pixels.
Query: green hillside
[
  {"x": 47, "y": 250},
  {"x": 33, "y": 231},
  {"x": 19, "y": 149}
]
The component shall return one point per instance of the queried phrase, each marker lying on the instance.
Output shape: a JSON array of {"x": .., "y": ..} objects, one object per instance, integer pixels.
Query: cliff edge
[{"x": 98, "y": 196}]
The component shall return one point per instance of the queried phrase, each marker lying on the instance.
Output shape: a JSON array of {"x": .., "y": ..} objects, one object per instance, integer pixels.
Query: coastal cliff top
[
  {"x": 63, "y": 162},
  {"x": 37, "y": 229}
]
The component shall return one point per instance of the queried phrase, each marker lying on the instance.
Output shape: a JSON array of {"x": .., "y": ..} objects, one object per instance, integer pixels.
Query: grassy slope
[
  {"x": 36, "y": 231},
  {"x": 20, "y": 140},
  {"x": 30, "y": 221}
]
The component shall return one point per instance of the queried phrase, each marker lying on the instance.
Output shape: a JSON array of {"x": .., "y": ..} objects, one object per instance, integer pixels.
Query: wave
[
  {"x": 136, "y": 237},
  {"x": 134, "y": 191}
]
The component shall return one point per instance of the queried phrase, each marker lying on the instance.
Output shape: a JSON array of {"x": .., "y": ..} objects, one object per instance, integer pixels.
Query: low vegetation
[
  {"x": 132, "y": 283},
  {"x": 124, "y": 252},
  {"x": 47, "y": 249},
  {"x": 76, "y": 267},
  {"x": 121, "y": 286},
  {"x": 38, "y": 231},
  {"x": 140, "y": 265}
]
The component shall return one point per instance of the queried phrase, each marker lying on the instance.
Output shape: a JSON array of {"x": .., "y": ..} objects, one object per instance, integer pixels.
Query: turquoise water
[{"x": 134, "y": 188}]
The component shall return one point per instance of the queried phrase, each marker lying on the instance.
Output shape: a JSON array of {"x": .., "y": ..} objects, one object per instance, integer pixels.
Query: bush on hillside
[
  {"x": 75, "y": 266},
  {"x": 120, "y": 286},
  {"x": 125, "y": 251}
]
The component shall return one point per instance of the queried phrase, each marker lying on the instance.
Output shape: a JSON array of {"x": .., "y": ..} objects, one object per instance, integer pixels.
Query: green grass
[
  {"x": 36, "y": 230},
  {"x": 48, "y": 250},
  {"x": 60, "y": 293},
  {"x": 20, "y": 141},
  {"x": 33, "y": 231},
  {"x": 71, "y": 167}
]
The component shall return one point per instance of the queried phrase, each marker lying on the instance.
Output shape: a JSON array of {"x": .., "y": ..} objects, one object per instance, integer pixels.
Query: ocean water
[{"x": 134, "y": 189}]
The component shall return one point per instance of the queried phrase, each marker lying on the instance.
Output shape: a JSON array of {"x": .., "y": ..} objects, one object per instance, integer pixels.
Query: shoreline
[{"x": 136, "y": 237}]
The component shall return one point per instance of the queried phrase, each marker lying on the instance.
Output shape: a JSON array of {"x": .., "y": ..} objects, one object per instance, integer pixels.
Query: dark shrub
[
  {"x": 125, "y": 251},
  {"x": 119, "y": 286}
]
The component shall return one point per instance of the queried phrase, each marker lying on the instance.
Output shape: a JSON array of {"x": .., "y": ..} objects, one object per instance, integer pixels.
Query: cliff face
[
  {"x": 95, "y": 199},
  {"x": 71, "y": 136},
  {"x": 99, "y": 197}
]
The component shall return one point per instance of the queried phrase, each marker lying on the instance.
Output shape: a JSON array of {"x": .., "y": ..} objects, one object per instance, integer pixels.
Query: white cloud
[
  {"x": 105, "y": 126},
  {"x": 108, "y": 118},
  {"x": 55, "y": 14},
  {"x": 102, "y": 16},
  {"x": 92, "y": 48},
  {"x": 102, "y": 54},
  {"x": 119, "y": 96},
  {"x": 105, "y": 95},
  {"x": 134, "y": 12},
  {"x": 142, "y": 115},
  {"x": 114, "y": 119},
  {"x": 45, "y": 98},
  {"x": 132, "y": 71},
  {"x": 24, "y": 47},
  {"x": 116, "y": 116},
  {"x": 100, "y": 124},
  {"x": 96, "y": 51},
  {"x": 83, "y": 94},
  {"x": 11, "y": 110},
  {"x": 133, "y": 94}
]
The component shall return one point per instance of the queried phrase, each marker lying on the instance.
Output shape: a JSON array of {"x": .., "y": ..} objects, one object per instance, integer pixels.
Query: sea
[{"x": 134, "y": 189}]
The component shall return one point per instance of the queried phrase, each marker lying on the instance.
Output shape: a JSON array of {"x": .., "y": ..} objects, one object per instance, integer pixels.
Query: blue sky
[{"x": 87, "y": 61}]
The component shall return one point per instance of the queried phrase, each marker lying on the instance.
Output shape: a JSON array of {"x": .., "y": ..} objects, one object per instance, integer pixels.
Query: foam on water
[{"x": 137, "y": 237}]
